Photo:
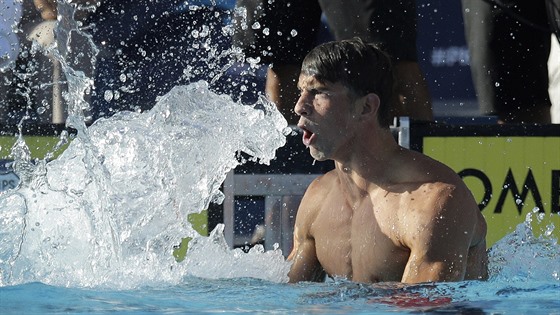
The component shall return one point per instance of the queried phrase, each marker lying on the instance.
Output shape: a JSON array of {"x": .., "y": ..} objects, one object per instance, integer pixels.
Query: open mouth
[{"x": 307, "y": 137}]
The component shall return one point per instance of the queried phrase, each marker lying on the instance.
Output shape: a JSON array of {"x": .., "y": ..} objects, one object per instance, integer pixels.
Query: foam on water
[
  {"x": 528, "y": 254},
  {"x": 210, "y": 257},
  {"x": 109, "y": 210}
]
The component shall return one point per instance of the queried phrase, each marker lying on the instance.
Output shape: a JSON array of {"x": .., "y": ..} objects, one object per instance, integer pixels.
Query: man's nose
[{"x": 303, "y": 106}]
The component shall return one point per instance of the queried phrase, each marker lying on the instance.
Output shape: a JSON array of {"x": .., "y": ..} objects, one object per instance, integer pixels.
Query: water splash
[
  {"x": 210, "y": 257},
  {"x": 527, "y": 254},
  {"x": 109, "y": 211}
]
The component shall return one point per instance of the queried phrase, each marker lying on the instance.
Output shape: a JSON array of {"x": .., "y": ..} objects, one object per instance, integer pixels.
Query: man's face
[{"x": 326, "y": 117}]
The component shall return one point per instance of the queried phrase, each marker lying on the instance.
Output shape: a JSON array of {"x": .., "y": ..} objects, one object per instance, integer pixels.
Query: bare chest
[{"x": 359, "y": 242}]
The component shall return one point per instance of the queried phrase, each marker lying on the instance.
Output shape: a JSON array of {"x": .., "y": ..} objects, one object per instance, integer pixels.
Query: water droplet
[
  {"x": 122, "y": 77},
  {"x": 256, "y": 26},
  {"x": 108, "y": 95},
  {"x": 266, "y": 31},
  {"x": 293, "y": 33},
  {"x": 41, "y": 110},
  {"x": 549, "y": 229},
  {"x": 205, "y": 31},
  {"x": 497, "y": 84}
]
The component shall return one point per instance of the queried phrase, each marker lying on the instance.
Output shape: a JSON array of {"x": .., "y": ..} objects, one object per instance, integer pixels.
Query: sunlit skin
[{"x": 385, "y": 213}]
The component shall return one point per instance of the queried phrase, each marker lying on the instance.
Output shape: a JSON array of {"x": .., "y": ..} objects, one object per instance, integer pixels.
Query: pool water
[
  {"x": 243, "y": 295},
  {"x": 524, "y": 279},
  {"x": 93, "y": 231}
]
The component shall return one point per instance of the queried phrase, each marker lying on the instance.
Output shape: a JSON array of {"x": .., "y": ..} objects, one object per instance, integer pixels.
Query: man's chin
[{"x": 317, "y": 155}]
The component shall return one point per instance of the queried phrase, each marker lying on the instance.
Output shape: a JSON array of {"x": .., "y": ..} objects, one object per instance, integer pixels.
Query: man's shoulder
[
  {"x": 318, "y": 191},
  {"x": 440, "y": 201},
  {"x": 421, "y": 169},
  {"x": 323, "y": 182},
  {"x": 432, "y": 184},
  {"x": 426, "y": 194}
]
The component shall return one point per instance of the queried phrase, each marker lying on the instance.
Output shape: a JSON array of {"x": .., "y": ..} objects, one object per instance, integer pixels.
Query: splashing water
[
  {"x": 522, "y": 256},
  {"x": 109, "y": 210},
  {"x": 211, "y": 258}
]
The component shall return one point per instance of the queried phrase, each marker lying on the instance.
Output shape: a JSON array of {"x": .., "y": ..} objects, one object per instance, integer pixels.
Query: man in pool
[{"x": 384, "y": 213}]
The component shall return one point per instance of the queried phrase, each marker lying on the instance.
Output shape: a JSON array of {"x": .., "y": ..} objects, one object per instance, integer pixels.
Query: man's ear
[{"x": 371, "y": 104}]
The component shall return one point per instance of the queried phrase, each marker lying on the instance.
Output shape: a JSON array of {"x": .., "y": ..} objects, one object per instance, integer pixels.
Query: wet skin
[{"x": 384, "y": 213}]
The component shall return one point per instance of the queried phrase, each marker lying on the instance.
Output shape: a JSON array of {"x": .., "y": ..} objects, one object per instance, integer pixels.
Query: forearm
[
  {"x": 306, "y": 273},
  {"x": 305, "y": 265},
  {"x": 425, "y": 270}
]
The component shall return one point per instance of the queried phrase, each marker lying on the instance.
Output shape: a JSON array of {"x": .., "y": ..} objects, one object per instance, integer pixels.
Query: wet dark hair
[{"x": 361, "y": 67}]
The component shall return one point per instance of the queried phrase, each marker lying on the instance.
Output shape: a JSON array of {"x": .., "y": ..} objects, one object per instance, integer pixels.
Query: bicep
[
  {"x": 439, "y": 250},
  {"x": 430, "y": 265},
  {"x": 305, "y": 264}
]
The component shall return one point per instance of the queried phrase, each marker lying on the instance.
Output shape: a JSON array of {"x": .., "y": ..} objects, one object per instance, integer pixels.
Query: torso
[
  {"x": 362, "y": 250},
  {"x": 360, "y": 244},
  {"x": 363, "y": 242}
]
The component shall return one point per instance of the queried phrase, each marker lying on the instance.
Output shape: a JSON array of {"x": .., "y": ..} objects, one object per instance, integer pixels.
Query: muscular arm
[
  {"x": 442, "y": 235},
  {"x": 305, "y": 264}
]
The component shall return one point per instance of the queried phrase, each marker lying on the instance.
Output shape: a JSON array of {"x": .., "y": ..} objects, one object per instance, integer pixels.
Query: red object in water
[{"x": 412, "y": 300}]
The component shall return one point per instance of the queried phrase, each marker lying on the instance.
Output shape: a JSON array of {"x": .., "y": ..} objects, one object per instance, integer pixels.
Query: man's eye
[
  {"x": 316, "y": 92},
  {"x": 313, "y": 92},
  {"x": 320, "y": 93}
]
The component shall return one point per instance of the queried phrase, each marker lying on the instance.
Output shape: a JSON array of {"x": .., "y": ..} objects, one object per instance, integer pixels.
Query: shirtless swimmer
[{"x": 385, "y": 213}]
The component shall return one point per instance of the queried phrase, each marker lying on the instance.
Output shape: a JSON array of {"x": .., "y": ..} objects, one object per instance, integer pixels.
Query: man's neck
[{"x": 370, "y": 163}]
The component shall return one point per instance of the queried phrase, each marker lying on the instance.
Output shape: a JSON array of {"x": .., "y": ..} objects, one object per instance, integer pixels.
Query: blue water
[
  {"x": 243, "y": 295},
  {"x": 524, "y": 279}
]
